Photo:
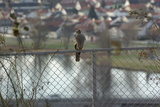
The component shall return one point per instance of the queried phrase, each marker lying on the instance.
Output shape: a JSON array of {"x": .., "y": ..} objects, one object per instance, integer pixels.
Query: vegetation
[
  {"x": 150, "y": 64},
  {"x": 103, "y": 3},
  {"x": 15, "y": 92},
  {"x": 54, "y": 2},
  {"x": 92, "y": 13}
]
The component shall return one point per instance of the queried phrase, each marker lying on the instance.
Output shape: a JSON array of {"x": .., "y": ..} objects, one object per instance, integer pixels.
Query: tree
[
  {"x": 104, "y": 39},
  {"x": 154, "y": 34},
  {"x": 54, "y": 2},
  {"x": 75, "y": 11},
  {"x": 103, "y": 3},
  {"x": 130, "y": 33},
  {"x": 38, "y": 33},
  {"x": 92, "y": 14},
  {"x": 67, "y": 30},
  {"x": 104, "y": 73}
]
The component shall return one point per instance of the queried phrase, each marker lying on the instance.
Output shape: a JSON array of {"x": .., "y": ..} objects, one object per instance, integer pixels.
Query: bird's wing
[
  {"x": 75, "y": 39},
  {"x": 81, "y": 38}
]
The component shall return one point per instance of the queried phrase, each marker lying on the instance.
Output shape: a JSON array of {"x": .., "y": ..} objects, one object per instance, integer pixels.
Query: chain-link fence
[{"x": 102, "y": 78}]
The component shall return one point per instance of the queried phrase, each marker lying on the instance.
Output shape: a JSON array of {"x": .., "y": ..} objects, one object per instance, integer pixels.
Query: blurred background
[{"x": 106, "y": 23}]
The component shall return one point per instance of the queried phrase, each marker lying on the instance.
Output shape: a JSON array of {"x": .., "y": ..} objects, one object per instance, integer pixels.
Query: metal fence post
[{"x": 94, "y": 84}]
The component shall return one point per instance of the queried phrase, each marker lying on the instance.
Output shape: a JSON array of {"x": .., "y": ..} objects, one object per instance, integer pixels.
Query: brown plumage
[{"x": 79, "y": 40}]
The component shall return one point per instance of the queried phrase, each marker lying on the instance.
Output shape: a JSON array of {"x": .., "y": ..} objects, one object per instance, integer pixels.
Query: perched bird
[{"x": 79, "y": 40}]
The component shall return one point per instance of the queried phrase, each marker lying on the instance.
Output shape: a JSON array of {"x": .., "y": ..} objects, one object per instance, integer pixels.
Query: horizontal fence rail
[
  {"x": 128, "y": 77},
  {"x": 72, "y": 51}
]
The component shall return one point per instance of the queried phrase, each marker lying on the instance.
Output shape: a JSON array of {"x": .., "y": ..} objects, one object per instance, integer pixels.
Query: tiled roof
[
  {"x": 41, "y": 11},
  {"x": 84, "y": 27},
  {"x": 83, "y": 19},
  {"x": 137, "y": 6},
  {"x": 102, "y": 10},
  {"x": 54, "y": 23},
  {"x": 68, "y": 4}
]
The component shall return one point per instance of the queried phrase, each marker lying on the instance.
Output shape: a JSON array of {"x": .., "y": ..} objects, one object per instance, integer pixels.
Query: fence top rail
[{"x": 72, "y": 51}]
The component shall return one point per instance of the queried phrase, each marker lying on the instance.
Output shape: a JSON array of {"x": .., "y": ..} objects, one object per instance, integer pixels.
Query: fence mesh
[{"x": 102, "y": 78}]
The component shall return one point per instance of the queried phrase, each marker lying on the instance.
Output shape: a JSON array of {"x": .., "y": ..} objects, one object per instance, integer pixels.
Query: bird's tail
[{"x": 78, "y": 56}]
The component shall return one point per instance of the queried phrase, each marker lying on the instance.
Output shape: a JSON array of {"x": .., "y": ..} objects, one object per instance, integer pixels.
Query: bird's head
[{"x": 78, "y": 31}]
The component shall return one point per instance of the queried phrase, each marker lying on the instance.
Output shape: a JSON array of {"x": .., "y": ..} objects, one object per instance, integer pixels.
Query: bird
[{"x": 79, "y": 40}]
